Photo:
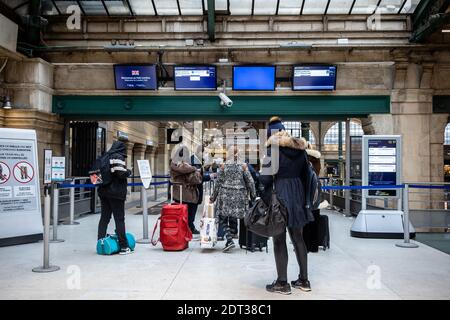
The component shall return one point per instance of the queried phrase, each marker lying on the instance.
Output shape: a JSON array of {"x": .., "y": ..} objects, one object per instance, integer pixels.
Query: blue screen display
[
  {"x": 314, "y": 78},
  {"x": 382, "y": 165},
  {"x": 129, "y": 77},
  {"x": 195, "y": 77},
  {"x": 254, "y": 78}
]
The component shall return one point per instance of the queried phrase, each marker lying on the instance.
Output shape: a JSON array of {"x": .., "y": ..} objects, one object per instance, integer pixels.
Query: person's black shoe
[
  {"x": 278, "y": 287},
  {"x": 195, "y": 231},
  {"x": 228, "y": 246},
  {"x": 303, "y": 285}
]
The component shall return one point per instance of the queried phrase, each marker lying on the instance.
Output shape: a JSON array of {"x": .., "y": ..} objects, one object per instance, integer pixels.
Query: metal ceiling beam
[
  {"x": 228, "y": 7},
  {"x": 376, "y": 8},
  {"x": 56, "y": 7},
  {"x": 211, "y": 20},
  {"x": 351, "y": 8},
  {"x": 253, "y": 7},
  {"x": 105, "y": 7},
  {"x": 402, "y": 6},
  {"x": 326, "y": 9},
  {"x": 429, "y": 17},
  {"x": 81, "y": 7},
  {"x": 154, "y": 7},
  {"x": 179, "y": 8},
  {"x": 303, "y": 5},
  {"x": 203, "y": 7},
  {"x": 130, "y": 8},
  {"x": 278, "y": 7}
]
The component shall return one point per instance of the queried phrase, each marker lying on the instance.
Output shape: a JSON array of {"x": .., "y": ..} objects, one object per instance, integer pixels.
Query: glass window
[
  {"x": 410, "y": 6},
  {"x": 290, "y": 7},
  {"x": 265, "y": 7},
  {"x": 166, "y": 7},
  {"x": 364, "y": 6},
  {"x": 447, "y": 135},
  {"x": 48, "y": 9},
  {"x": 240, "y": 7},
  {"x": 332, "y": 135},
  {"x": 293, "y": 128},
  {"x": 390, "y": 6},
  {"x": 93, "y": 7},
  {"x": 117, "y": 8},
  {"x": 339, "y": 6},
  {"x": 63, "y": 5},
  {"x": 221, "y": 5},
  {"x": 191, "y": 7},
  {"x": 315, "y": 6},
  {"x": 312, "y": 138},
  {"x": 142, "y": 7}
]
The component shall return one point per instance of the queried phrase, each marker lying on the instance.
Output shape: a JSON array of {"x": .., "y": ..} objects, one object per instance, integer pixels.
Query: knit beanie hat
[{"x": 275, "y": 125}]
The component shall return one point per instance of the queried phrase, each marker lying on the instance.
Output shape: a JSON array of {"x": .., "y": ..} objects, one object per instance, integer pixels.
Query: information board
[
  {"x": 20, "y": 206},
  {"x": 58, "y": 169},
  {"x": 314, "y": 78},
  {"x": 135, "y": 77},
  {"x": 381, "y": 166},
  {"x": 195, "y": 78},
  {"x": 254, "y": 78},
  {"x": 145, "y": 172}
]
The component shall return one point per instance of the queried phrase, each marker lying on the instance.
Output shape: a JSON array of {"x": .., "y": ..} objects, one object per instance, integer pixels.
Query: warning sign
[
  {"x": 5, "y": 173},
  {"x": 23, "y": 172}
]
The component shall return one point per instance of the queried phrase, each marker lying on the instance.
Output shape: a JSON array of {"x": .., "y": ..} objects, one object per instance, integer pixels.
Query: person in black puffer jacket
[
  {"x": 113, "y": 195},
  {"x": 290, "y": 185}
]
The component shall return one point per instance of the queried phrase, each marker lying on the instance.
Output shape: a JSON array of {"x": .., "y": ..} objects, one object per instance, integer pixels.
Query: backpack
[
  {"x": 100, "y": 173},
  {"x": 312, "y": 190}
]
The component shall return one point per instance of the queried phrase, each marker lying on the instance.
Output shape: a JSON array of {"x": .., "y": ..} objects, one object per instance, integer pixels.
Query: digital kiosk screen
[
  {"x": 382, "y": 165},
  {"x": 135, "y": 77},
  {"x": 195, "y": 78},
  {"x": 254, "y": 78},
  {"x": 314, "y": 78}
]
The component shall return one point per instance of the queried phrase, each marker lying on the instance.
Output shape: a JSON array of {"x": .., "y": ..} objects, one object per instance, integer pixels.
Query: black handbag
[{"x": 267, "y": 220}]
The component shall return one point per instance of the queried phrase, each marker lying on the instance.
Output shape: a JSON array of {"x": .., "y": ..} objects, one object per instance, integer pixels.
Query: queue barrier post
[
  {"x": 145, "y": 238},
  {"x": 72, "y": 206},
  {"x": 55, "y": 214},
  {"x": 46, "y": 267},
  {"x": 406, "y": 240}
]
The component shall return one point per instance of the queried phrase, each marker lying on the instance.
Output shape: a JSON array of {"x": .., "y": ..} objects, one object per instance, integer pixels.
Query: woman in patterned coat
[{"x": 233, "y": 185}]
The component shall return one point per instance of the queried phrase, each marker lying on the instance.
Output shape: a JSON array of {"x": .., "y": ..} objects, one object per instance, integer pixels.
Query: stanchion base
[
  {"x": 74, "y": 223},
  {"x": 406, "y": 245},
  {"x": 56, "y": 240},
  {"x": 41, "y": 269},
  {"x": 144, "y": 241}
]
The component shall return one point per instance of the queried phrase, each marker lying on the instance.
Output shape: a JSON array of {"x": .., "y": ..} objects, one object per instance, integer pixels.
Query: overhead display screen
[
  {"x": 135, "y": 77},
  {"x": 382, "y": 165},
  {"x": 314, "y": 78},
  {"x": 254, "y": 78},
  {"x": 195, "y": 78}
]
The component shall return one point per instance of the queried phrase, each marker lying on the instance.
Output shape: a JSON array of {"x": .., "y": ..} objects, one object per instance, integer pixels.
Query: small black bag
[{"x": 267, "y": 220}]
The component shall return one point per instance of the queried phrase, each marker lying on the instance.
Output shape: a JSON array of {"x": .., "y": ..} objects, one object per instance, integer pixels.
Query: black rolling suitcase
[
  {"x": 324, "y": 232},
  {"x": 249, "y": 240}
]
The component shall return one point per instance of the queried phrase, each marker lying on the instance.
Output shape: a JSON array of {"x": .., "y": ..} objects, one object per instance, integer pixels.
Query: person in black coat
[
  {"x": 113, "y": 195},
  {"x": 289, "y": 178},
  {"x": 311, "y": 230}
]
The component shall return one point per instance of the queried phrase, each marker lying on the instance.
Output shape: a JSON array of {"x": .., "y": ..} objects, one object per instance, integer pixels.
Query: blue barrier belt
[
  {"x": 139, "y": 184},
  {"x": 401, "y": 186},
  {"x": 419, "y": 186}
]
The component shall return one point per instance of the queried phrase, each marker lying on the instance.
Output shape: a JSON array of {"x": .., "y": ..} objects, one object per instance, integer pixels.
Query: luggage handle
[
  {"x": 154, "y": 243},
  {"x": 171, "y": 192}
]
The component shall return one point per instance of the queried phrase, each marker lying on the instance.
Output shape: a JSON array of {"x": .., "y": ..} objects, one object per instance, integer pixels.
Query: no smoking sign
[
  {"x": 5, "y": 173},
  {"x": 23, "y": 172}
]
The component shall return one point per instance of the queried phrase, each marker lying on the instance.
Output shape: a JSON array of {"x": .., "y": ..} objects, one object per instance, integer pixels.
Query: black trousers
[
  {"x": 281, "y": 253},
  {"x": 192, "y": 212},
  {"x": 115, "y": 207}
]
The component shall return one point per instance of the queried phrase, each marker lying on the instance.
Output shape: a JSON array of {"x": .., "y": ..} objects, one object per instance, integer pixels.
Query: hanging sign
[{"x": 20, "y": 206}]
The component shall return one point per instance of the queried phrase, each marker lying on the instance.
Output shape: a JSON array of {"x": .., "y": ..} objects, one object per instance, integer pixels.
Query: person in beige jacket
[{"x": 187, "y": 177}]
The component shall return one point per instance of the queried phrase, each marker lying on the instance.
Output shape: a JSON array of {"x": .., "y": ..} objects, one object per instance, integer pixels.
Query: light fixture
[{"x": 7, "y": 103}]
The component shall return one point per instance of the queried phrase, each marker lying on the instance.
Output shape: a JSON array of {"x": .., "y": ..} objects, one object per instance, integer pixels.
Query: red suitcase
[{"x": 174, "y": 231}]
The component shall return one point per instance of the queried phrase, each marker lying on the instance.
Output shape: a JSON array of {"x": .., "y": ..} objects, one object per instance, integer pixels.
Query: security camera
[{"x": 224, "y": 100}]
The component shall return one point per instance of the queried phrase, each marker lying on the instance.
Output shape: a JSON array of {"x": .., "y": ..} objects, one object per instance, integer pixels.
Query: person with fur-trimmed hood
[{"x": 290, "y": 181}]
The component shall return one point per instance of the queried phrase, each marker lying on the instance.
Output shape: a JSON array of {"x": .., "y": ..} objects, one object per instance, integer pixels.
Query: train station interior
[{"x": 356, "y": 79}]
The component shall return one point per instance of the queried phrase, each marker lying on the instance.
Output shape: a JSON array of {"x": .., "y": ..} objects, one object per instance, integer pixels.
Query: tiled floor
[{"x": 352, "y": 269}]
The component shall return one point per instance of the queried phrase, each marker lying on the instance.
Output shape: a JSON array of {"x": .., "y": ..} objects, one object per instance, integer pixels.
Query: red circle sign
[
  {"x": 23, "y": 172},
  {"x": 5, "y": 172}
]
